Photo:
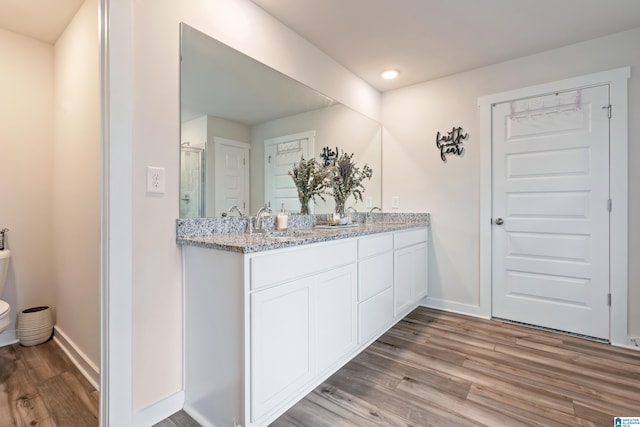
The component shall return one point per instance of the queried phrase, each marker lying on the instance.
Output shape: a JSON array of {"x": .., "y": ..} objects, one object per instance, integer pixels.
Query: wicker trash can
[{"x": 35, "y": 325}]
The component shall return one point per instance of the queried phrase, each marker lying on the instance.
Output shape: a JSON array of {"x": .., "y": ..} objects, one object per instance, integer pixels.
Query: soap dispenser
[{"x": 282, "y": 219}]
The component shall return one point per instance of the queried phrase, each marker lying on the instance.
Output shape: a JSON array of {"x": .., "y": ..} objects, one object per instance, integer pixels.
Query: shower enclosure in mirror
[
  {"x": 192, "y": 185},
  {"x": 250, "y": 124}
]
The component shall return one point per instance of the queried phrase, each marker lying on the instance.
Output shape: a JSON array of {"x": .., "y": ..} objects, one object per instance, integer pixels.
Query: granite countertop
[{"x": 229, "y": 237}]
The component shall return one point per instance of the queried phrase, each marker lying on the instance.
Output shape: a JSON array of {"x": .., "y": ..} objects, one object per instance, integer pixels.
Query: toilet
[{"x": 5, "y": 309}]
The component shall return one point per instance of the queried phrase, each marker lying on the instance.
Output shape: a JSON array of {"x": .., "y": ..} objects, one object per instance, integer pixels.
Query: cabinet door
[
  {"x": 410, "y": 276},
  {"x": 375, "y": 274},
  {"x": 420, "y": 281},
  {"x": 402, "y": 279},
  {"x": 336, "y": 315},
  {"x": 282, "y": 346},
  {"x": 374, "y": 315}
]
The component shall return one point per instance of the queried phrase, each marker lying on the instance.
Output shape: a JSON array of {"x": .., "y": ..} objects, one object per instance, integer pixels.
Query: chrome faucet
[
  {"x": 371, "y": 211},
  {"x": 355, "y": 218},
  {"x": 237, "y": 209},
  {"x": 259, "y": 228}
]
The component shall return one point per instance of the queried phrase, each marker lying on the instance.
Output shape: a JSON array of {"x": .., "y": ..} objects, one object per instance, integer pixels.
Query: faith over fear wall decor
[{"x": 451, "y": 143}]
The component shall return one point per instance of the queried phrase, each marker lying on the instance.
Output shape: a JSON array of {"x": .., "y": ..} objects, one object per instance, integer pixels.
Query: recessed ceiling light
[{"x": 390, "y": 74}]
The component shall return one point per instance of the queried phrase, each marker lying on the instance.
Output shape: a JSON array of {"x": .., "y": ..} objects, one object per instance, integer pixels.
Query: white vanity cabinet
[
  {"x": 302, "y": 327},
  {"x": 264, "y": 329},
  {"x": 410, "y": 269},
  {"x": 375, "y": 285}
]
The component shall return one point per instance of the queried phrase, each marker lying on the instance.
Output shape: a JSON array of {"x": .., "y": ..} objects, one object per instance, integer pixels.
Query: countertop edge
[{"x": 251, "y": 243}]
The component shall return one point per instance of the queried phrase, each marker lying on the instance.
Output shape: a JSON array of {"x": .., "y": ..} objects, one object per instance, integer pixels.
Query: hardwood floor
[
  {"x": 442, "y": 369},
  {"x": 431, "y": 369},
  {"x": 39, "y": 386}
]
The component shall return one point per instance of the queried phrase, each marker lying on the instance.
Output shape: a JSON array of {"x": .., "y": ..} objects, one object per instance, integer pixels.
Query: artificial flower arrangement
[
  {"x": 337, "y": 172},
  {"x": 311, "y": 180}
]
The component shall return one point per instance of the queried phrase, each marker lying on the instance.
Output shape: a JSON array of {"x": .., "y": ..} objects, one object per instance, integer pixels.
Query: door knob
[{"x": 499, "y": 221}]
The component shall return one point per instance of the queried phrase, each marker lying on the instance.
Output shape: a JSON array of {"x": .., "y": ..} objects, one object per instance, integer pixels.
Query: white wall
[
  {"x": 26, "y": 135},
  {"x": 152, "y": 95},
  {"x": 76, "y": 182},
  {"x": 50, "y": 150},
  {"x": 200, "y": 132},
  {"x": 413, "y": 169}
]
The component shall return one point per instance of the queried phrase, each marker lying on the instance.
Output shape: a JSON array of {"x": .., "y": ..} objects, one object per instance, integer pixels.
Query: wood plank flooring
[
  {"x": 39, "y": 386},
  {"x": 442, "y": 369},
  {"x": 431, "y": 369}
]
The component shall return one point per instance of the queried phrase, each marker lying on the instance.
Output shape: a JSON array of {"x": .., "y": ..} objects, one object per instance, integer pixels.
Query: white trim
[
  {"x": 197, "y": 416},
  {"x": 633, "y": 343},
  {"x": 308, "y": 135},
  {"x": 158, "y": 411},
  {"x": 116, "y": 246},
  {"x": 454, "y": 307},
  {"x": 8, "y": 337},
  {"x": 618, "y": 81},
  {"x": 618, "y": 190},
  {"x": 86, "y": 367},
  {"x": 232, "y": 142}
]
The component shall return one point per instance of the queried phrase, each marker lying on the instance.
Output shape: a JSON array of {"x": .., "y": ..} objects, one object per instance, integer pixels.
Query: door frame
[
  {"x": 617, "y": 79},
  {"x": 217, "y": 143}
]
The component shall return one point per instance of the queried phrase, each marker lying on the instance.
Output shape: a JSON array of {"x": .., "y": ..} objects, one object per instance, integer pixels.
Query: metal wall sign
[{"x": 451, "y": 143}]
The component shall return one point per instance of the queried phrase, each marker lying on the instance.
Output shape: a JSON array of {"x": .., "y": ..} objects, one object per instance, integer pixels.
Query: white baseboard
[
  {"x": 197, "y": 416},
  {"x": 160, "y": 410},
  {"x": 632, "y": 342},
  {"x": 455, "y": 307},
  {"x": 8, "y": 337},
  {"x": 90, "y": 371}
]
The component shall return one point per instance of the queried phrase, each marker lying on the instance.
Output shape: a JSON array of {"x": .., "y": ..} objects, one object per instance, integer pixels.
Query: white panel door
[
  {"x": 231, "y": 175},
  {"x": 550, "y": 211},
  {"x": 280, "y": 156}
]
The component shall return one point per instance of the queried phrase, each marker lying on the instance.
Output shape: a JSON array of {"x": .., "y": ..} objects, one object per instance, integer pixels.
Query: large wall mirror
[{"x": 244, "y": 125}]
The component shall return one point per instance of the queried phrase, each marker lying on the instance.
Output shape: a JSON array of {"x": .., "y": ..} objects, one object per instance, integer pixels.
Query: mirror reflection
[{"x": 244, "y": 126}]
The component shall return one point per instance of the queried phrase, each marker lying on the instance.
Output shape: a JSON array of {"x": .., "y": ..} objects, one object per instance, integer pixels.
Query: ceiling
[
  {"x": 428, "y": 39},
  {"x": 44, "y": 20},
  {"x": 424, "y": 39}
]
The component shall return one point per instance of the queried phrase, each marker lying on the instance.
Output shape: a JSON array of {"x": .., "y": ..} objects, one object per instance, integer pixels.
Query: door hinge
[
  {"x": 609, "y": 205},
  {"x": 608, "y": 108},
  {"x": 269, "y": 160},
  {"x": 609, "y": 299}
]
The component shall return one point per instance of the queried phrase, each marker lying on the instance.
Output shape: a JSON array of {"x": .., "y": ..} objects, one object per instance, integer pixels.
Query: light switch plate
[{"x": 155, "y": 180}]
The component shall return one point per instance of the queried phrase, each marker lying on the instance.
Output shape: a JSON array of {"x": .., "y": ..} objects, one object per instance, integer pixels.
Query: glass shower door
[{"x": 192, "y": 179}]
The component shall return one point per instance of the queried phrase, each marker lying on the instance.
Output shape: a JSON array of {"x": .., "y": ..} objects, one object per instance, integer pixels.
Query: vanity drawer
[
  {"x": 372, "y": 245},
  {"x": 402, "y": 239},
  {"x": 374, "y": 315},
  {"x": 276, "y": 267},
  {"x": 375, "y": 274}
]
